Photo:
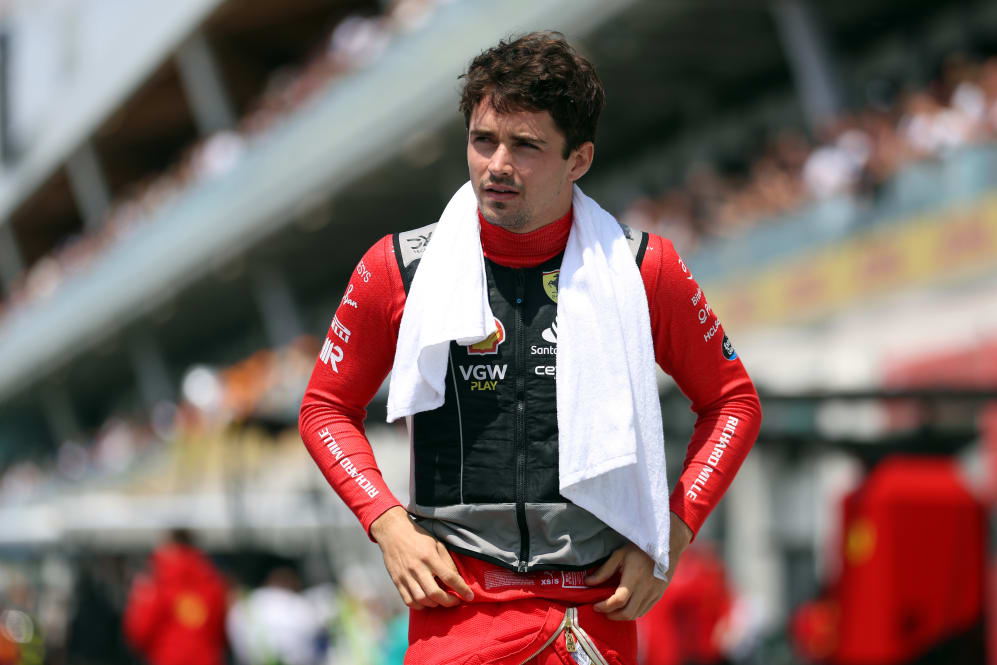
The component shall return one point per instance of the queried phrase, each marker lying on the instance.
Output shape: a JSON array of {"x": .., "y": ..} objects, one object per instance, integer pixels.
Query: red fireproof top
[{"x": 688, "y": 345}]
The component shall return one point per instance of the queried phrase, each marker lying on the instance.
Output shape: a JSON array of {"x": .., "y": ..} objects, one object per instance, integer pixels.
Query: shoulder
[
  {"x": 411, "y": 245},
  {"x": 637, "y": 240},
  {"x": 661, "y": 252}
]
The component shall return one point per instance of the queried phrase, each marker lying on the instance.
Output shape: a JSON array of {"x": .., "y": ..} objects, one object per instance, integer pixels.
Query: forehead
[{"x": 485, "y": 117}]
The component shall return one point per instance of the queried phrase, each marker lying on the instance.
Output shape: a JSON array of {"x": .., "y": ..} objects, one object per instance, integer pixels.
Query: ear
[{"x": 580, "y": 160}]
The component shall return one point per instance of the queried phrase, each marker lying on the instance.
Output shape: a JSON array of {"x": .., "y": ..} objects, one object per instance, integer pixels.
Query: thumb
[
  {"x": 449, "y": 575},
  {"x": 606, "y": 570}
]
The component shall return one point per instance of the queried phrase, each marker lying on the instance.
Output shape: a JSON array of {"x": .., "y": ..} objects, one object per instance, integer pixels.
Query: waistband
[{"x": 494, "y": 584}]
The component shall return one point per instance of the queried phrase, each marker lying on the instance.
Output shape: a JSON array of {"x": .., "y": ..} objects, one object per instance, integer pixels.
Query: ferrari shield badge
[{"x": 550, "y": 283}]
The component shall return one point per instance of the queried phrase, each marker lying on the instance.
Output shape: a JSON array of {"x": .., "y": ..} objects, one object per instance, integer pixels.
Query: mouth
[{"x": 497, "y": 192}]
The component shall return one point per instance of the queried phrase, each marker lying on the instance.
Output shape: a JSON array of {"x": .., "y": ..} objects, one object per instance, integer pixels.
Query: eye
[{"x": 527, "y": 144}]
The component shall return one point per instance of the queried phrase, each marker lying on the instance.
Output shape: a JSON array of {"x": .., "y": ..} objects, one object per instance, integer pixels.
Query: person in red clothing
[
  {"x": 686, "y": 627},
  {"x": 494, "y": 563},
  {"x": 176, "y": 614}
]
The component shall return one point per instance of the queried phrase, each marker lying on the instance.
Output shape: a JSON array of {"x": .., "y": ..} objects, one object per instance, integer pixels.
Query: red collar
[{"x": 522, "y": 250}]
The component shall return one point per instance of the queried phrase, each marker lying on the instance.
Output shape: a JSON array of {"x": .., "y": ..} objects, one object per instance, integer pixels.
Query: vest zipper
[{"x": 524, "y": 532}]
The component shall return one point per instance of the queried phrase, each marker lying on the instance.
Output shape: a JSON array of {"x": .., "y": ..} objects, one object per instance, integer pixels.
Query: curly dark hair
[{"x": 536, "y": 72}]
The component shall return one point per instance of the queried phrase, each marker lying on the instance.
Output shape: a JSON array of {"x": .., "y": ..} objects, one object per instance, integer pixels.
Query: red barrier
[{"x": 913, "y": 562}]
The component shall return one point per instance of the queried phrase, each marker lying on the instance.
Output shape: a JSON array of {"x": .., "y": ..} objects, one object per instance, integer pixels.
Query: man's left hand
[{"x": 639, "y": 589}]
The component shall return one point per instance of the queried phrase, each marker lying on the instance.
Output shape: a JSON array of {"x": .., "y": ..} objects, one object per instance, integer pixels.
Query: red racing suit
[
  {"x": 689, "y": 343},
  {"x": 177, "y": 615}
]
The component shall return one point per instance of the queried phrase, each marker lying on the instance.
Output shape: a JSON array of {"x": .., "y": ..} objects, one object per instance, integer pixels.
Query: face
[{"x": 517, "y": 166}]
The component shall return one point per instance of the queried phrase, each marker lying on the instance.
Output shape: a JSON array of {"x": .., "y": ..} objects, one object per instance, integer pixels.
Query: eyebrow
[{"x": 475, "y": 133}]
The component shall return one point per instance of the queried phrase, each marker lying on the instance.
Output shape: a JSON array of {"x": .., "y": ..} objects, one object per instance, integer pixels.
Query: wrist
[{"x": 387, "y": 521}]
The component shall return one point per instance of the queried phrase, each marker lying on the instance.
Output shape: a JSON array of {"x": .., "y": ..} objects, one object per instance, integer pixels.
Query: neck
[{"x": 524, "y": 249}]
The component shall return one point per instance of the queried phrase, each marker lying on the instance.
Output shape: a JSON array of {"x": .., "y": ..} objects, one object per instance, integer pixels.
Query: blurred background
[{"x": 185, "y": 187}]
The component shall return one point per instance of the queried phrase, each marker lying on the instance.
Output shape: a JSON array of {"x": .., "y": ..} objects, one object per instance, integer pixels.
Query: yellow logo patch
[
  {"x": 489, "y": 345},
  {"x": 550, "y": 283}
]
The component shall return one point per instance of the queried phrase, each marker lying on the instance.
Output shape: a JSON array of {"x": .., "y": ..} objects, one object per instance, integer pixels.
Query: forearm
[
  {"x": 344, "y": 455},
  {"x": 721, "y": 440}
]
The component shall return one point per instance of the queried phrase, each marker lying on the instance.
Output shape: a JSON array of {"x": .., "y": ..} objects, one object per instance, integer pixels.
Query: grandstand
[{"x": 186, "y": 186}]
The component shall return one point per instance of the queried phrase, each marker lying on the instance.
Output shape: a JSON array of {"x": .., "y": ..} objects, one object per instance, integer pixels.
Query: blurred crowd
[
  {"x": 853, "y": 155},
  {"x": 356, "y": 42},
  {"x": 264, "y": 388},
  {"x": 181, "y": 605}
]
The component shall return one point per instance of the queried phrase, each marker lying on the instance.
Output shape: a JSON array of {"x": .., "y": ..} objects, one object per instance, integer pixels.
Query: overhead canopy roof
[{"x": 381, "y": 152}]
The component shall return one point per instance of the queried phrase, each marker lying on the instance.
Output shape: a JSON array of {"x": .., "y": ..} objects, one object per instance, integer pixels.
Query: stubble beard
[{"x": 513, "y": 221}]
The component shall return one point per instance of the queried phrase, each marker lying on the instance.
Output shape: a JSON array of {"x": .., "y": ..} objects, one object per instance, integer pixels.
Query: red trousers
[{"x": 513, "y": 618}]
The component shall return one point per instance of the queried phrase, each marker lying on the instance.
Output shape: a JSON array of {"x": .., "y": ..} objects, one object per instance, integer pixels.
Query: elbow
[{"x": 304, "y": 415}]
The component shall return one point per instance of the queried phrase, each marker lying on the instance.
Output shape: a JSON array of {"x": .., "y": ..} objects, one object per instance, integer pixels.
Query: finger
[
  {"x": 630, "y": 610},
  {"x": 420, "y": 598},
  {"x": 453, "y": 580},
  {"x": 606, "y": 570},
  {"x": 411, "y": 593},
  {"x": 615, "y": 602},
  {"x": 638, "y": 588},
  {"x": 446, "y": 570},
  {"x": 434, "y": 594},
  {"x": 403, "y": 592}
]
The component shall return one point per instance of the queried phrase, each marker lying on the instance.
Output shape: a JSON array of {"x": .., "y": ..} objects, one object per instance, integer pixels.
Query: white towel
[{"x": 611, "y": 447}]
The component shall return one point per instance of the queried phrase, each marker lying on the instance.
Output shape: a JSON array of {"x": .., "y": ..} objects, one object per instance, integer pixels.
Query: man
[
  {"x": 176, "y": 614},
  {"x": 494, "y": 562}
]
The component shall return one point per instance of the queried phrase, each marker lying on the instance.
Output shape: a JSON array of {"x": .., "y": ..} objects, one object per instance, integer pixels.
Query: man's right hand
[{"x": 417, "y": 562}]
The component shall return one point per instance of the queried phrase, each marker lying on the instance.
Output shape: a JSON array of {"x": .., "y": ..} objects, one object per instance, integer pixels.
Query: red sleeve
[
  {"x": 690, "y": 345},
  {"x": 357, "y": 354}
]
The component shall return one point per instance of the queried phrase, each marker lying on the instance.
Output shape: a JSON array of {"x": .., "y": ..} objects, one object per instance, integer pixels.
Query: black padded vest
[{"x": 485, "y": 465}]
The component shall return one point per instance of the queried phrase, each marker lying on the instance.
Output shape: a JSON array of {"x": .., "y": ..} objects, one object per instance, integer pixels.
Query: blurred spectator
[
  {"x": 687, "y": 626},
  {"x": 176, "y": 616},
  {"x": 94, "y": 632},
  {"x": 276, "y": 624}
]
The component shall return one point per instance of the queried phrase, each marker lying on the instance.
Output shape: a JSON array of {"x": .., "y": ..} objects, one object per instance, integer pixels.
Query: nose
[{"x": 500, "y": 163}]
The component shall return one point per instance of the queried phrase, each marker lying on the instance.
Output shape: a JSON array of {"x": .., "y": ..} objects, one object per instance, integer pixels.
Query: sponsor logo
[
  {"x": 550, "y": 334},
  {"x": 723, "y": 441},
  {"x": 696, "y": 298},
  {"x": 417, "y": 244},
  {"x": 549, "y": 281},
  {"x": 728, "y": 349},
  {"x": 339, "y": 330},
  {"x": 347, "y": 465},
  {"x": 543, "y": 350},
  {"x": 704, "y": 313},
  {"x": 573, "y": 579},
  {"x": 545, "y": 370},
  {"x": 566, "y": 579},
  {"x": 346, "y": 298},
  {"x": 486, "y": 377},
  {"x": 331, "y": 354},
  {"x": 685, "y": 269},
  {"x": 708, "y": 335},
  {"x": 363, "y": 272},
  {"x": 489, "y": 345},
  {"x": 699, "y": 484}
]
